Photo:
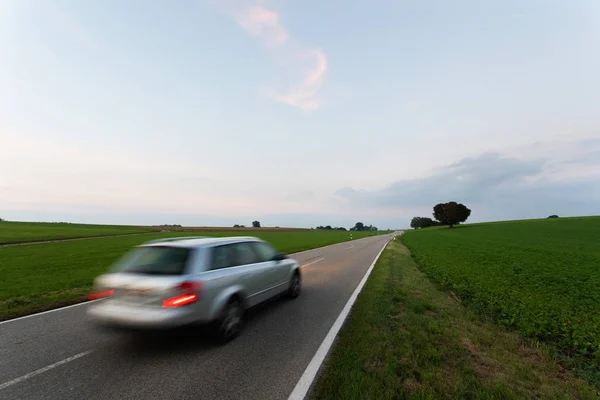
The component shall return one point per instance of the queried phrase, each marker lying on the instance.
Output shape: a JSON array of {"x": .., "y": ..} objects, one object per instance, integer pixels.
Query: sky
[{"x": 297, "y": 113}]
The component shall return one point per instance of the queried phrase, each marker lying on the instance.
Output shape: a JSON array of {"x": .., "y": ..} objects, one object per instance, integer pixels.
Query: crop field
[
  {"x": 541, "y": 277},
  {"x": 21, "y": 232},
  {"x": 406, "y": 339},
  {"x": 42, "y": 276}
]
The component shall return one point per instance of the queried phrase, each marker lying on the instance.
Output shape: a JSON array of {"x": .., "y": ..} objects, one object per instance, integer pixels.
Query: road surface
[{"x": 59, "y": 355}]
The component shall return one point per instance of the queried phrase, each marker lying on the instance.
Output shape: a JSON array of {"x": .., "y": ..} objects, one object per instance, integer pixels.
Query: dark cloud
[
  {"x": 495, "y": 187},
  {"x": 468, "y": 180}
]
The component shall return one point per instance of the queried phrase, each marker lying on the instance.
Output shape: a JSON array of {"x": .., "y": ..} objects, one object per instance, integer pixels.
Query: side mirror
[{"x": 279, "y": 257}]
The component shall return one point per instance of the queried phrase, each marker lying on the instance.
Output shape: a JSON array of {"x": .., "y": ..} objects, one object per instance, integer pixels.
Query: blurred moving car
[{"x": 180, "y": 281}]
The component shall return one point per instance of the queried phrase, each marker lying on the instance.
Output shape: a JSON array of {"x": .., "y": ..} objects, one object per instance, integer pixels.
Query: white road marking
[
  {"x": 311, "y": 263},
  {"x": 319, "y": 248},
  {"x": 50, "y": 311},
  {"x": 348, "y": 248},
  {"x": 42, "y": 370},
  {"x": 311, "y": 370}
]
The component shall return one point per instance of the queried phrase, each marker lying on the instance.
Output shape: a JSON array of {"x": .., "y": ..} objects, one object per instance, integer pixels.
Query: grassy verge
[
  {"x": 405, "y": 339},
  {"x": 23, "y": 232},
  {"x": 44, "y": 276},
  {"x": 539, "y": 277}
]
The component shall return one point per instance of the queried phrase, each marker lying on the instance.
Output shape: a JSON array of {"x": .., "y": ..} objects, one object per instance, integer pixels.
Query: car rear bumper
[{"x": 117, "y": 315}]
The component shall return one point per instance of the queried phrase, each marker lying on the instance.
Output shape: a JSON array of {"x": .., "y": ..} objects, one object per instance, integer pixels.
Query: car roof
[{"x": 199, "y": 241}]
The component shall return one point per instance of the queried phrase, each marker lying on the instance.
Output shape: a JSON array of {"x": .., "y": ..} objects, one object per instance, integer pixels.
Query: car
[{"x": 175, "y": 282}]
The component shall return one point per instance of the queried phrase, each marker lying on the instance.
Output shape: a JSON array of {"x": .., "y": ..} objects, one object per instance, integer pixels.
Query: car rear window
[{"x": 155, "y": 260}]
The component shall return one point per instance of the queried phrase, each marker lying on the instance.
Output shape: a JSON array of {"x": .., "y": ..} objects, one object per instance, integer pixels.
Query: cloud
[
  {"x": 309, "y": 64},
  {"x": 500, "y": 186},
  {"x": 304, "y": 95},
  {"x": 263, "y": 23}
]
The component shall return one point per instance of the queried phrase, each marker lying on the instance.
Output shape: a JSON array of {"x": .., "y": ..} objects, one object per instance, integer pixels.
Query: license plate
[
  {"x": 137, "y": 296},
  {"x": 138, "y": 292}
]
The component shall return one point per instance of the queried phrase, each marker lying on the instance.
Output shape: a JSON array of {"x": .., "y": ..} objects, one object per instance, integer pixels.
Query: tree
[
  {"x": 415, "y": 223},
  {"x": 422, "y": 222},
  {"x": 256, "y": 224},
  {"x": 551, "y": 216},
  {"x": 328, "y": 227},
  {"x": 451, "y": 213},
  {"x": 360, "y": 227}
]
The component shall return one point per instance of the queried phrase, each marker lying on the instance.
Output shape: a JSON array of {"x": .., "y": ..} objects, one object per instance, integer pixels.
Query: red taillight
[
  {"x": 189, "y": 286},
  {"x": 192, "y": 291},
  {"x": 178, "y": 301},
  {"x": 100, "y": 295}
]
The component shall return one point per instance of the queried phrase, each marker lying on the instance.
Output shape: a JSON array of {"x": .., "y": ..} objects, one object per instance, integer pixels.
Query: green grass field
[
  {"x": 43, "y": 276},
  {"x": 22, "y": 232},
  {"x": 540, "y": 277},
  {"x": 405, "y": 339}
]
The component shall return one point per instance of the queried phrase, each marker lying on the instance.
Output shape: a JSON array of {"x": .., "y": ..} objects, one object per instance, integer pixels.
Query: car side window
[
  {"x": 264, "y": 251},
  {"x": 245, "y": 253},
  {"x": 223, "y": 257}
]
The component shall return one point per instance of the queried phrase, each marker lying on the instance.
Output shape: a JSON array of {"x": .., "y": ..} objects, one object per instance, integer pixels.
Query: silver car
[{"x": 180, "y": 281}]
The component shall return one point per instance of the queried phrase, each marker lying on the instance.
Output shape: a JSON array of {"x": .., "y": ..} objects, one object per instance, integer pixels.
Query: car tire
[
  {"x": 295, "y": 286},
  {"x": 229, "y": 325}
]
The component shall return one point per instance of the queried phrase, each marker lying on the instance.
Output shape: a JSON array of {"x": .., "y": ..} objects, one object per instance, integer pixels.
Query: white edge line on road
[
  {"x": 42, "y": 370},
  {"x": 50, "y": 311},
  {"x": 348, "y": 248},
  {"x": 307, "y": 378},
  {"x": 312, "y": 262}
]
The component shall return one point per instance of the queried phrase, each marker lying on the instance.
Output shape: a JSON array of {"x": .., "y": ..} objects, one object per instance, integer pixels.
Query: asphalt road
[{"x": 59, "y": 355}]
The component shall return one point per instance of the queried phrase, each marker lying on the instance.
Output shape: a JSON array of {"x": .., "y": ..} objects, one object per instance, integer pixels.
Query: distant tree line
[
  {"x": 330, "y": 228},
  {"x": 255, "y": 224},
  {"x": 451, "y": 213},
  {"x": 359, "y": 226}
]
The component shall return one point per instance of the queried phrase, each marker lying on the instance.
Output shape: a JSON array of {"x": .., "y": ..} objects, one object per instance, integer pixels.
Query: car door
[
  {"x": 278, "y": 273},
  {"x": 232, "y": 265},
  {"x": 260, "y": 279}
]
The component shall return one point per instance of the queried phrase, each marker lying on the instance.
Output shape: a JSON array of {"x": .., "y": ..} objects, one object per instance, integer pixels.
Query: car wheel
[
  {"x": 295, "y": 286},
  {"x": 229, "y": 326}
]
